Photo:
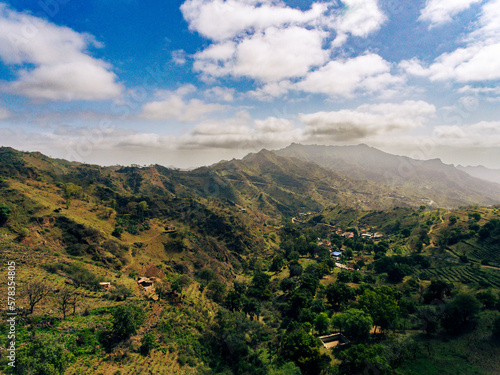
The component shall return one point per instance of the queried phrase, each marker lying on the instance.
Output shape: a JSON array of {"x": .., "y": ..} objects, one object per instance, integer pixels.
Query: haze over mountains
[
  {"x": 285, "y": 182},
  {"x": 431, "y": 179},
  {"x": 492, "y": 175}
]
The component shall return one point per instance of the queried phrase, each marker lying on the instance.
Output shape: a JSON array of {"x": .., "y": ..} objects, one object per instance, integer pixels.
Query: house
[
  {"x": 336, "y": 254},
  {"x": 348, "y": 235},
  {"x": 243, "y": 210},
  {"x": 144, "y": 282},
  {"x": 378, "y": 235},
  {"x": 170, "y": 228},
  {"x": 105, "y": 285},
  {"x": 325, "y": 243}
]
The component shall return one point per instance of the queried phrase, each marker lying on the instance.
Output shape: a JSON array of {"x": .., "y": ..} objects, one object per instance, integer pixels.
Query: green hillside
[{"x": 228, "y": 270}]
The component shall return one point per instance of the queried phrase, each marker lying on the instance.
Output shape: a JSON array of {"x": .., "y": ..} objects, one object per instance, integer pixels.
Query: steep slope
[
  {"x": 287, "y": 186},
  {"x": 443, "y": 184}
]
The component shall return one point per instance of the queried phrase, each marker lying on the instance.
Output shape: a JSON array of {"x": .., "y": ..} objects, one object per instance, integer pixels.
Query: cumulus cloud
[
  {"x": 270, "y": 42},
  {"x": 366, "y": 121},
  {"x": 477, "y": 61},
  {"x": 271, "y": 90},
  {"x": 272, "y": 55},
  {"x": 241, "y": 133},
  {"x": 438, "y": 12},
  {"x": 220, "y": 20},
  {"x": 481, "y": 134},
  {"x": 360, "y": 18},
  {"x": 343, "y": 77},
  {"x": 62, "y": 68},
  {"x": 174, "y": 106},
  {"x": 220, "y": 93}
]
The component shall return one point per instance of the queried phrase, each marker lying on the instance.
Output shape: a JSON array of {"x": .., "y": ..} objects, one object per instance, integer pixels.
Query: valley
[{"x": 240, "y": 267}]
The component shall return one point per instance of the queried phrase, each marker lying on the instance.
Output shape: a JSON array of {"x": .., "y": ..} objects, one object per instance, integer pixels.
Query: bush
[
  {"x": 117, "y": 232},
  {"x": 148, "y": 343},
  {"x": 5, "y": 212},
  {"x": 43, "y": 356},
  {"x": 496, "y": 327},
  {"x": 127, "y": 319}
]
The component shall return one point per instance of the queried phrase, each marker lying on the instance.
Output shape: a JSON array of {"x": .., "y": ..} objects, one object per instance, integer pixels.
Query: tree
[
  {"x": 36, "y": 291},
  {"x": 278, "y": 263},
  {"x": 142, "y": 207},
  {"x": 360, "y": 359},
  {"x": 321, "y": 323},
  {"x": 310, "y": 283},
  {"x": 496, "y": 327},
  {"x": 339, "y": 294},
  {"x": 126, "y": 321},
  {"x": 260, "y": 282},
  {"x": 437, "y": 291},
  {"x": 5, "y": 212},
  {"x": 344, "y": 276},
  {"x": 148, "y": 343},
  {"x": 295, "y": 270},
  {"x": 487, "y": 298},
  {"x": 71, "y": 191},
  {"x": 303, "y": 348},
  {"x": 348, "y": 254},
  {"x": 216, "y": 291},
  {"x": 287, "y": 285},
  {"x": 460, "y": 312},
  {"x": 381, "y": 305},
  {"x": 453, "y": 220},
  {"x": 429, "y": 318},
  {"x": 43, "y": 356},
  {"x": 64, "y": 299},
  {"x": 356, "y": 325},
  {"x": 476, "y": 216}
]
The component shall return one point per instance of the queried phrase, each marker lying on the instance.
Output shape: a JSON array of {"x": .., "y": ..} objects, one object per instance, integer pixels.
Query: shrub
[
  {"x": 5, "y": 212},
  {"x": 148, "y": 343}
]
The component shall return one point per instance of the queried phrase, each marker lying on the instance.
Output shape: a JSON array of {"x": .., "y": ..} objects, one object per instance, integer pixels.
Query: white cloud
[
  {"x": 481, "y": 134},
  {"x": 179, "y": 57},
  {"x": 477, "y": 61},
  {"x": 241, "y": 133},
  {"x": 270, "y": 42},
  {"x": 220, "y": 93},
  {"x": 438, "y": 12},
  {"x": 274, "y": 125},
  {"x": 269, "y": 56},
  {"x": 366, "y": 121},
  {"x": 220, "y": 20},
  {"x": 174, "y": 106},
  {"x": 271, "y": 90},
  {"x": 4, "y": 113},
  {"x": 360, "y": 18},
  {"x": 368, "y": 72},
  {"x": 277, "y": 54},
  {"x": 63, "y": 70}
]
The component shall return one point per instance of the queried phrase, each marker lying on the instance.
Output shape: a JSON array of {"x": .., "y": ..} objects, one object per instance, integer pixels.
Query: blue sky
[{"x": 188, "y": 83}]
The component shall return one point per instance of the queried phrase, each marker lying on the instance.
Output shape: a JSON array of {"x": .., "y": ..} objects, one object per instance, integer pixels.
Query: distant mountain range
[
  {"x": 278, "y": 183},
  {"x": 443, "y": 184},
  {"x": 487, "y": 174}
]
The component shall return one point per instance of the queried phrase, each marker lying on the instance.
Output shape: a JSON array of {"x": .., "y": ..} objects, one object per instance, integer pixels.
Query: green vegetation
[{"x": 152, "y": 270}]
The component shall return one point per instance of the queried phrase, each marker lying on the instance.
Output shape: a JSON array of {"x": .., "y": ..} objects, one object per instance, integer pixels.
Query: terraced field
[
  {"x": 490, "y": 253},
  {"x": 465, "y": 275}
]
